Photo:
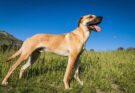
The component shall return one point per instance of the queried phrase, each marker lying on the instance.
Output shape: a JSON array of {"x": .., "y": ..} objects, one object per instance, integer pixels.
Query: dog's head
[{"x": 91, "y": 22}]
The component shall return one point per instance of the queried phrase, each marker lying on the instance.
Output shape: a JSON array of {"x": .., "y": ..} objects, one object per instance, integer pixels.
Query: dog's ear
[{"x": 79, "y": 21}]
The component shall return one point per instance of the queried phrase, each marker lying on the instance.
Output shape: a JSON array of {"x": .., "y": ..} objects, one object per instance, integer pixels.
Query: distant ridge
[{"x": 8, "y": 39}]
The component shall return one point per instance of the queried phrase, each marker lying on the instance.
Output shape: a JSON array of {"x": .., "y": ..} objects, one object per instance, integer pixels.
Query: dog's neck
[{"x": 83, "y": 32}]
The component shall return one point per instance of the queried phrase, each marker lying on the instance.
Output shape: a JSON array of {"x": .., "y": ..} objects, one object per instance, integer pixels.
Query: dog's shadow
[{"x": 40, "y": 65}]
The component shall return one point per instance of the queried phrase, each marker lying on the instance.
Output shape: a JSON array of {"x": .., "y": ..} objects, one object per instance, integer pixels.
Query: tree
[
  {"x": 120, "y": 48},
  {"x": 130, "y": 49},
  {"x": 92, "y": 50}
]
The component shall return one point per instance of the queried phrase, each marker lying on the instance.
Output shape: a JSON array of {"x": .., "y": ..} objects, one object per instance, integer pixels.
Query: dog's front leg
[
  {"x": 71, "y": 62},
  {"x": 76, "y": 75}
]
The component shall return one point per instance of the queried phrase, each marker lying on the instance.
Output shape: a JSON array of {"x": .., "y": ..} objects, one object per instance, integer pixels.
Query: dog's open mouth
[{"x": 95, "y": 28}]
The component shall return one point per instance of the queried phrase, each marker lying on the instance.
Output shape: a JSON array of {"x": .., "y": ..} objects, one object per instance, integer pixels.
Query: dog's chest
[{"x": 87, "y": 33}]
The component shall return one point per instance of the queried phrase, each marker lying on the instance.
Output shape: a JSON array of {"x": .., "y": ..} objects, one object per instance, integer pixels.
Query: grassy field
[{"x": 101, "y": 72}]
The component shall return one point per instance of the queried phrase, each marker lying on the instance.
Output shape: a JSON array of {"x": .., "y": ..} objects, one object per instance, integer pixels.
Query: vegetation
[{"x": 101, "y": 72}]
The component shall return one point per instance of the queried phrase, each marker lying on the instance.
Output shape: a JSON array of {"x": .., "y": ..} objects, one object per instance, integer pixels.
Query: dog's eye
[{"x": 91, "y": 16}]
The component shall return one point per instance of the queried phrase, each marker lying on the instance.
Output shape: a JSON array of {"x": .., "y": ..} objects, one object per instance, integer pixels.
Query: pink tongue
[{"x": 97, "y": 28}]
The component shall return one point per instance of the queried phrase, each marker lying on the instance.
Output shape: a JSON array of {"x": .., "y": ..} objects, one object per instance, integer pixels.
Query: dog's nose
[{"x": 100, "y": 18}]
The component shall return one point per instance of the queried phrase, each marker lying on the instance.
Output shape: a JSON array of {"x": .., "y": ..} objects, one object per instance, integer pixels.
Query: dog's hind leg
[
  {"x": 13, "y": 67},
  {"x": 30, "y": 61},
  {"x": 24, "y": 67}
]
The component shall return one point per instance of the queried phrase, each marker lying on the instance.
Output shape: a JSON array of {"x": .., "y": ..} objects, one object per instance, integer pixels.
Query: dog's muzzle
[{"x": 93, "y": 25}]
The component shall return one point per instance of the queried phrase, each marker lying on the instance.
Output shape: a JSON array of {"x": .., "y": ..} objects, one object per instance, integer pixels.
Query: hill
[{"x": 7, "y": 39}]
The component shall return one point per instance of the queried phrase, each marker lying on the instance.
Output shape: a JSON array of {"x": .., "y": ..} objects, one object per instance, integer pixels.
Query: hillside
[{"x": 8, "y": 39}]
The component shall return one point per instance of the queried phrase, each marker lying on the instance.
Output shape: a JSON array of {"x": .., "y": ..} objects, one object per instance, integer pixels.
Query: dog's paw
[
  {"x": 4, "y": 83},
  {"x": 81, "y": 83},
  {"x": 67, "y": 89}
]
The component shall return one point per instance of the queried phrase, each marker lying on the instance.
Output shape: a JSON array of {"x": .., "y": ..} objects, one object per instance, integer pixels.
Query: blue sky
[{"x": 24, "y": 18}]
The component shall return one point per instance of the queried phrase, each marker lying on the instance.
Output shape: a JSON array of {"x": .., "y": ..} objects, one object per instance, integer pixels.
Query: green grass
[{"x": 101, "y": 72}]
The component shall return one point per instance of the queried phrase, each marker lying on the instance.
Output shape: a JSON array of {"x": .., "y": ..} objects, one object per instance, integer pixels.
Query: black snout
[
  {"x": 99, "y": 18},
  {"x": 96, "y": 21}
]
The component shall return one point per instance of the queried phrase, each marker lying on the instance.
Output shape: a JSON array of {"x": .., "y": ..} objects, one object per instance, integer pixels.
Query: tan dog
[{"x": 69, "y": 44}]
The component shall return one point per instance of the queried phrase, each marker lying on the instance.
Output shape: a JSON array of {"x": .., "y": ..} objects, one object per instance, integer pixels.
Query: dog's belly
[
  {"x": 61, "y": 52},
  {"x": 56, "y": 51}
]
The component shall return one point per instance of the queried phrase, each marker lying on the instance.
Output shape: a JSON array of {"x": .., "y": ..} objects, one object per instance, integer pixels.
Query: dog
[{"x": 70, "y": 44}]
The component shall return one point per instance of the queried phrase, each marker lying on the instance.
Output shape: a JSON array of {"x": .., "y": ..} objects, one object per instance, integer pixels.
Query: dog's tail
[{"x": 15, "y": 54}]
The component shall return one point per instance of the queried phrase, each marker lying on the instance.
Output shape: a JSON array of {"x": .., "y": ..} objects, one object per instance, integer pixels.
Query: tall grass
[{"x": 102, "y": 72}]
